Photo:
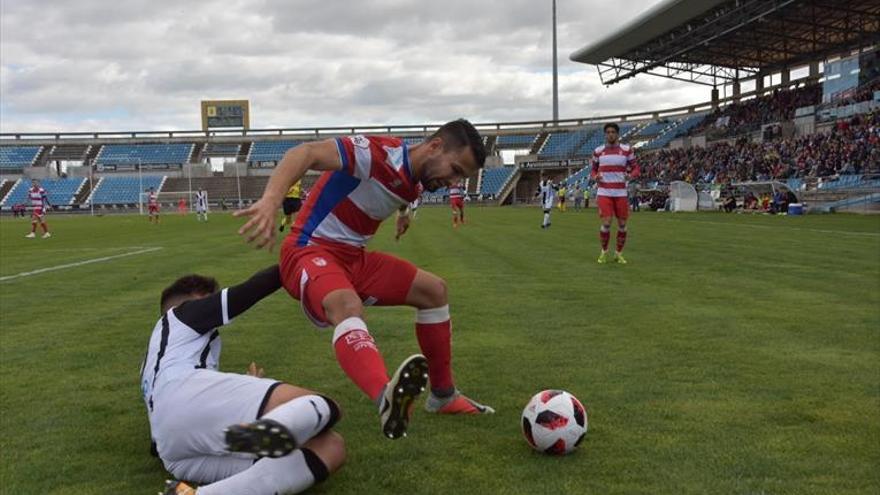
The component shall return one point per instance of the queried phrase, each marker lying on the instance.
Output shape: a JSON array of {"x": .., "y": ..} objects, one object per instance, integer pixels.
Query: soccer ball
[{"x": 554, "y": 422}]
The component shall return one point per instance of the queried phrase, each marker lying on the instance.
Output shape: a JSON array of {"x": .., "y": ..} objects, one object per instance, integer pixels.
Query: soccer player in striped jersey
[
  {"x": 201, "y": 204},
  {"x": 233, "y": 433},
  {"x": 613, "y": 165},
  {"x": 456, "y": 201},
  {"x": 324, "y": 263},
  {"x": 39, "y": 204},
  {"x": 152, "y": 205},
  {"x": 291, "y": 204}
]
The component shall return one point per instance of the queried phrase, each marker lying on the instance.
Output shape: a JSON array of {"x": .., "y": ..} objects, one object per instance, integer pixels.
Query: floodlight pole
[{"x": 555, "y": 71}]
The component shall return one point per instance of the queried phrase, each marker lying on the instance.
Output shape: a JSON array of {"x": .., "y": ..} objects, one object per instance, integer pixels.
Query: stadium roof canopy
[{"x": 719, "y": 41}]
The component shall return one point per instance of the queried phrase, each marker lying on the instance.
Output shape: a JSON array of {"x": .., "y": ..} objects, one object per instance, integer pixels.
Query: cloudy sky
[{"x": 135, "y": 65}]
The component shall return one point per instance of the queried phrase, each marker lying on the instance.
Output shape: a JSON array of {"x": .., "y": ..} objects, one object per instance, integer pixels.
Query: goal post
[{"x": 170, "y": 202}]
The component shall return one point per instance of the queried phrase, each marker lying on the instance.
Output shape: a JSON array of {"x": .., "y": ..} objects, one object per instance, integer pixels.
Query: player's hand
[
  {"x": 599, "y": 177},
  {"x": 260, "y": 228},
  {"x": 253, "y": 370},
  {"x": 402, "y": 226}
]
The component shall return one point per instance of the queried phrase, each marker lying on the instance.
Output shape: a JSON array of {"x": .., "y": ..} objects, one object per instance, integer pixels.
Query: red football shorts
[
  {"x": 613, "y": 206},
  {"x": 37, "y": 213},
  {"x": 310, "y": 273},
  {"x": 456, "y": 203},
  {"x": 153, "y": 208}
]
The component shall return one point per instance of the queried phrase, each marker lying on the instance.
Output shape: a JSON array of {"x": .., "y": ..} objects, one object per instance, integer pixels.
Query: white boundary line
[{"x": 78, "y": 263}]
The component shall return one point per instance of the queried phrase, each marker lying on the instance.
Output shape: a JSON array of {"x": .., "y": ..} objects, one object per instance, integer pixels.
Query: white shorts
[
  {"x": 201, "y": 208},
  {"x": 189, "y": 417}
]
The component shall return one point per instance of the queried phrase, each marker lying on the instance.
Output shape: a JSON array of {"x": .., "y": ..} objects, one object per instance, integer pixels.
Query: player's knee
[
  {"x": 330, "y": 449},
  {"x": 339, "y": 307},
  {"x": 436, "y": 293}
]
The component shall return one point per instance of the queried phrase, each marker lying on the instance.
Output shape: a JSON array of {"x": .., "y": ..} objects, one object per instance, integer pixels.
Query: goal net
[{"x": 172, "y": 202}]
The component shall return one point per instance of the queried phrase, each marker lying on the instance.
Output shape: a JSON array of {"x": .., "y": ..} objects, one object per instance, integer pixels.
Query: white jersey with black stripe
[{"x": 182, "y": 343}]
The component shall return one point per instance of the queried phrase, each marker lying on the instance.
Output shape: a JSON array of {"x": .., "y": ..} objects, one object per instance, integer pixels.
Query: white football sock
[
  {"x": 290, "y": 474},
  {"x": 304, "y": 416},
  {"x": 546, "y": 218}
]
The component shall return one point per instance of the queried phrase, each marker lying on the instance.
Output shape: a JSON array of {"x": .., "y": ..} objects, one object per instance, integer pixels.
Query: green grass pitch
[{"x": 733, "y": 354}]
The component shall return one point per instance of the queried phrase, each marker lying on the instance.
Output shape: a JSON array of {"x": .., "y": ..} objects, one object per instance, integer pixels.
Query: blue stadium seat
[
  {"x": 59, "y": 191},
  {"x": 494, "y": 179},
  {"x": 271, "y": 151},
  {"x": 124, "y": 189},
  {"x": 144, "y": 154},
  {"x": 15, "y": 158},
  {"x": 515, "y": 141}
]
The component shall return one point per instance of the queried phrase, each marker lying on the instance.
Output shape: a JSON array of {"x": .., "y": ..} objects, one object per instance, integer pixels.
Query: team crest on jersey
[
  {"x": 360, "y": 141},
  {"x": 319, "y": 261}
]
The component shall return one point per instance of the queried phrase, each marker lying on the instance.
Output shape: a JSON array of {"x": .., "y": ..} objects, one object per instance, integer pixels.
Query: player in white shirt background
[
  {"x": 201, "y": 204},
  {"x": 547, "y": 197}
]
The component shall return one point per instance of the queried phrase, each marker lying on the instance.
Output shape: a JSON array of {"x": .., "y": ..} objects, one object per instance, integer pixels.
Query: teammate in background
[
  {"x": 324, "y": 263},
  {"x": 587, "y": 196},
  {"x": 613, "y": 165},
  {"x": 234, "y": 433},
  {"x": 456, "y": 201},
  {"x": 291, "y": 204},
  {"x": 201, "y": 204},
  {"x": 546, "y": 194},
  {"x": 39, "y": 204},
  {"x": 561, "y": 194},
  {"x": 181, "y": 206},
  {"x": 153, "y": 205}
]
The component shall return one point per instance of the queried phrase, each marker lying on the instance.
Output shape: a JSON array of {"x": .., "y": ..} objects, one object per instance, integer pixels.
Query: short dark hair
[
  {"x": 460, "y": 133},
  {"x": 611, "y": 125},
  {"x": 185, "y": 286}
]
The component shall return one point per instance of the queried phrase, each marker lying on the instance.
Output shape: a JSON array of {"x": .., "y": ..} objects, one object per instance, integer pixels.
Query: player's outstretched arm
[
  {"x": 203, "y": 315},
  {"x": 260, "y": 227}
]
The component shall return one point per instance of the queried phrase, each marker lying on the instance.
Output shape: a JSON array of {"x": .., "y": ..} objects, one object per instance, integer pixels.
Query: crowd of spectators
[{"x": 850, "y": 147}]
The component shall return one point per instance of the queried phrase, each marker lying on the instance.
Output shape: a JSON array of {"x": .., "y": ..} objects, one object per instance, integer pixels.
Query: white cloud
[{"x": 96, "y": 65}]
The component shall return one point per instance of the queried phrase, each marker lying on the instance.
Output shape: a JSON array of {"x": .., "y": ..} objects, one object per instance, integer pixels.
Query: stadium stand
[
  {"x": 144, "y": 154},
  {"x": 270, "y": 151},
  {"x": 60, "y": 191},
  {"x": 124, "y": 190},
  {"x": 515, "y": 141},
  {"x": 70, "y": 152},
  {"x": 15, "y": 158},
  {"x": 494, "y": 179},
  {"x": 222, "y": 149}
]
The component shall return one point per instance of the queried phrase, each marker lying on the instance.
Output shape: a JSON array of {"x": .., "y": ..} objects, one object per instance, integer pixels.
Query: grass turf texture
[{"x": 734, "y": 354}]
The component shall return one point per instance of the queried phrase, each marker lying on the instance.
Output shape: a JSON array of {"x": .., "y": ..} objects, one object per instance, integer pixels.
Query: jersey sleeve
[
  {"x": 355, "y": 155},
  {"x": 632, "y": 165},
  {"x": 594, "y": 165},
  {"x": 218, "y": 309}
]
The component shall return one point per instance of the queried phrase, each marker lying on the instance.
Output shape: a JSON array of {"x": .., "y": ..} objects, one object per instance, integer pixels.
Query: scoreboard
[{"x": 225, "y": 113}]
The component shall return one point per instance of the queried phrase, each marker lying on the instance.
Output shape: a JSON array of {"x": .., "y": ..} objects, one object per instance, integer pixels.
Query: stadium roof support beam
[{"x": 722, "y": 41}]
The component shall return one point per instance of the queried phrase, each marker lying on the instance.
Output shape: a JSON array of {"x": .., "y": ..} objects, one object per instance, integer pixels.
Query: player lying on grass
[
  {"x": 241, "y": 434},
  {"x": 325, "y": 265}
]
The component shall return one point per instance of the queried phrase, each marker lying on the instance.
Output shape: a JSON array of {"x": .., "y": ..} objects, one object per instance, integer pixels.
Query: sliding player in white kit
[
  {"x": 234, "y": 433},
  {"x": 546, "y": 195},
  {"x": 201, "y": 204}
]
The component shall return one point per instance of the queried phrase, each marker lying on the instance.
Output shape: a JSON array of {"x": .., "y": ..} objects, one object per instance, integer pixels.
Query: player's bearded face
[{"x": 445, "y": 168}]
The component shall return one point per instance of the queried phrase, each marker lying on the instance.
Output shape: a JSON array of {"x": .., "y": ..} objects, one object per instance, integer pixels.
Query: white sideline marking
[
  {"x": 781, "y": 227},
  {"x": 78, "y": 263}
]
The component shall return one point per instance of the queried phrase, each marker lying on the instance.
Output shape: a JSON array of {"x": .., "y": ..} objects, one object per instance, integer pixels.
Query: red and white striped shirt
[
  {"x": 345, "y": 207},
  {"x": 152, "y": 199},
  {"x": 38, "y": 198},
  {"x": 614, "y": 163},
  {"x": 456, "y": 191}
]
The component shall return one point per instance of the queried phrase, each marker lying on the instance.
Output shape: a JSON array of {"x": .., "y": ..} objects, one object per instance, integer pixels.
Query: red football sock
[
  {"x": 359, "y": 357},
  {"x": 621, "y": 240},
  {"x": 604, "y": 237},
  {"x": 434, "y": 333}
]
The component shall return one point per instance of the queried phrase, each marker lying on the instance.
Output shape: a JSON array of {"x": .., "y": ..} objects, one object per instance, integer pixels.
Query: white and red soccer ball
[{"x": 554, "y": 422}]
